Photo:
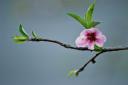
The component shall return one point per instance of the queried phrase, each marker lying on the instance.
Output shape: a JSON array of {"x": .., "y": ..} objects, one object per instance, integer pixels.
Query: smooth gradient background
[{"x": 48, "y": 64}]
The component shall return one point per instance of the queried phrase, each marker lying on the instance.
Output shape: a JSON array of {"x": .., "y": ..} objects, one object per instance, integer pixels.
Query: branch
[
  {"x": 59, "y": 43},
  {"x": 89, "y": 61},
  {"x": 92, "y": 60},
  {"x": 76, "y": 48}
]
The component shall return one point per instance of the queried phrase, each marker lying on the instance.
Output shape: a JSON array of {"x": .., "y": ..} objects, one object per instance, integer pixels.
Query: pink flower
[{"x": 90, "y": 37}]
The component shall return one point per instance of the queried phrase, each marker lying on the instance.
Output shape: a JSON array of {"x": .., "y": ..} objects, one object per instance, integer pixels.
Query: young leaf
[
  {"x": 78, "y": 18},
  {"x": 22, "y": 31},
  {"x": 95, "y": 23},
  {"x": 92, "y": 24},
  {"x": 73, "y": 73},
  {"x": 89, "y": 14},
  {"x": 20, "y": 39},
  {"x": 34, "y": 34}
]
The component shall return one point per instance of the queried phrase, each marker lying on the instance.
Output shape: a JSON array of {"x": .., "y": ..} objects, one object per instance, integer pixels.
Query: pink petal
[
  {"x": 91, "y": 30},
  {"x": 100, "y": 40},
  {"x": 81, "y": 41},
  {"x": 98, "y": 32},
  {"x": 85, "y": 32},
  {"x": 91, "y": 45}
]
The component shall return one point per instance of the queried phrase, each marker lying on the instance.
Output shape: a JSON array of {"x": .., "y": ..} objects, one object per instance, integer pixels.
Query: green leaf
[
  {"x": 97, "y": 48},
  {"x": 20, "y": 39},
  {"x": 92, "y": 24},
  {"x": 89, "y": 15},
  {"x": 78, "y": 18},
  {"x": 73, "y": 73},
  {"x": 95, "y": 23},
  {"x": 22, "y": 31},
  {"x": 34, "y": 34}
]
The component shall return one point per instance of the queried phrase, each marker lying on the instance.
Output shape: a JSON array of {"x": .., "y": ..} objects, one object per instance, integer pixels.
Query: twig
[
  {"x": 76, "y": 48},
  {"x": 82, "y": 49},
  {"x": 89, "y": 61},
  {"x": 59, "y": 43}
]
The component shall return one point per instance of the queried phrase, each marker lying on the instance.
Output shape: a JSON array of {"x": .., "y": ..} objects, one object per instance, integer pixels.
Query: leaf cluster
[
  {"x": 24, "y": 35},
  {"x": 87, "y": 21}
]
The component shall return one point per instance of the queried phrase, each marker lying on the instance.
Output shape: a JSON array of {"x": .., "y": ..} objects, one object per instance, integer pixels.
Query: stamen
[{"x": 91, "y": 36}]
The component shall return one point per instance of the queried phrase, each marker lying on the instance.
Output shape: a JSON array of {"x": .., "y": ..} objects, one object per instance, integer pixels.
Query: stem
[
  {"x": 76, "y": 48},
  {"x": 81, "y": 49}
]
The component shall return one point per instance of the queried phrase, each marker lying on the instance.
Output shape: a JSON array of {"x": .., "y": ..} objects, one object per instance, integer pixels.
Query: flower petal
[
  {"x": 91, "y": 30},
  {"x": 81, "y": 41},
  {"x": 91, "y": 45},
  {"x": 85, "y": 32},
  {"x": 100, "y": 40},
  {"x": 97, "y": 32}
]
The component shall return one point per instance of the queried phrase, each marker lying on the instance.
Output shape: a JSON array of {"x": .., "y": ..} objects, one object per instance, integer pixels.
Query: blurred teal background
[{"x": 48, "y": 64}]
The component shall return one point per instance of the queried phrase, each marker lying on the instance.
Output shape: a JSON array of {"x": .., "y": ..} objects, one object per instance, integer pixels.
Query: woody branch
[{"x": 92, "y": 60}]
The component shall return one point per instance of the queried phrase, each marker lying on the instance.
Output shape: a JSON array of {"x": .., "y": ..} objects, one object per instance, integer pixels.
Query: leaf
[
  {"x": 22, "y": 31},
  {"x": 97, "y": 48},
  {"x": 73, "y": 73},
  {"x": 78, "y": 18},
  {"x": 20, "y": 39},
  {"x": 92, "y": 24},
  {"x": 89, "y": 12},
  {"x": 95, "y": 23},
  {"x": 89, "y": 15},
  {"x": 34, "y": 34}
]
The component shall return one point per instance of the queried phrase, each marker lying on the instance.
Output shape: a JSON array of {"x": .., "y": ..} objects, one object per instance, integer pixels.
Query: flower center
[{"x": 91, "y": 36}]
